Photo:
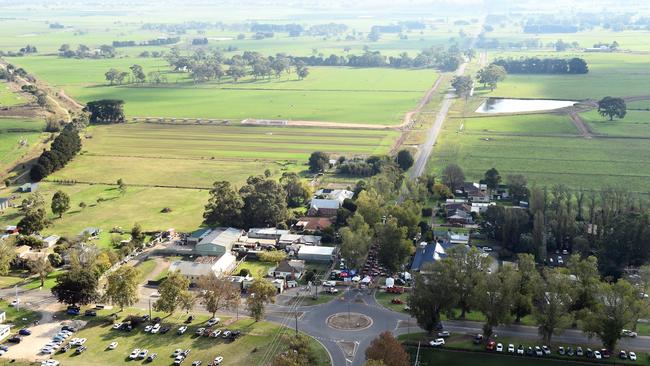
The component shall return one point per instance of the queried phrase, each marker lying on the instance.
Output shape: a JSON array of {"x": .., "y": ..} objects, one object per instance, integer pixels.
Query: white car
[
  {"x": 182, "y": 329},
  {"x": 134, "y": 354},
  {"x": 329, "y": 283},
  {"x": 356, "y": 279},
  {"x": 213, "y": 321},
  {"x": 47, "y": 350},
  {"x": 73, "y": 341},
  {"x": 218, "y": 360},
  {"x": 628, "y": 333},
  {"x": 50, "y": 363},
  {"x": 177, "y": 352},
  {"x": 81, "y": 341},
  {"x": 2, "y": 352},
  {"x": 438, "y": 342},
  {"x": 631, "y": 356},
  {"x": 597, "y": 355},
  {"x": 148, "y": 328},
  {"x": 143, "y": 353},
  {"x": 155, "y": 329},
  {"x": 511, "y": 348},
  {"x": 113, "y": 345},
  {"x": 15, "y": 302},
  {"x": 215, "y": 334},
  {"x": 117, "y": 325},
  {"x": 487, "y": 249},
  {"x": 520, "y": 350},
  {"x": 499, "y": 347}
]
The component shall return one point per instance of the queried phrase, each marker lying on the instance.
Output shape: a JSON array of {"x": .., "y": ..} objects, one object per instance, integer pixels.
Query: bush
[
  {"x": 244, "y": 272},
  {"x": 427, "y": 212}
]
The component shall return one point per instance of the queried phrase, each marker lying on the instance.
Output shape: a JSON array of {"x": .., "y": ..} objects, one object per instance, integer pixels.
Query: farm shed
[{"x": 316, "y": 254}]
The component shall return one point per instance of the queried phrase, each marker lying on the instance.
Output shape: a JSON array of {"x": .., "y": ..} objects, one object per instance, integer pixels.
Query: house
[
  {"x": 476, "y": 192},
  {"x": 4, "y": 203},
  {"x": 240, "y": 282},
  {"x": 334, "y": 194},
  {"x": 481, "y": 207},
  {"x": 460, "y": 217},
  {"x": 91, "y": 231},
  {"x": 218, "y": 242},
  {"x": 33, "y": 256},
  {"x": 22, "y": 250},
  {"x": 316, "y": 254},
  {"x": 288, "y": 269},
  {"x": 11, "y": 229},
  {"x": 456, "y": 239},
  {"x": 292, "y": 239},
  {"x": 5, "y": 330},
  {"x": 51, "y": 240},
  {"x": 323, "y": 207},
  {"x": 312, "y": 224},
  {"x": 266, "y": 233},
  {"x": 427, "y": 253},
  {"x": 501, "y": 192},
  {"x": 28, "y": 187},
  {"x": 279, "y": 284},
  {"x": 602, "y": 48},
  {"x": 203, "y": 266}
]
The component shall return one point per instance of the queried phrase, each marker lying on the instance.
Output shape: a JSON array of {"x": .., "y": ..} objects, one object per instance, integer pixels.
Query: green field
[
  {"x": 16, "y": 137},
  {"x": 338, "y": 94},
  {"x": 542, "y": 124},
  {"x": 635, "y": 124},
  {"x": 9, "y": 98}
]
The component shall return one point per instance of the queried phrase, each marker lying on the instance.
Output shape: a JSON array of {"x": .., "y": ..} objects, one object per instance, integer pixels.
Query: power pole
[
  {"x": 296, "y": 316},
  {"x": 417, "y": 356}
]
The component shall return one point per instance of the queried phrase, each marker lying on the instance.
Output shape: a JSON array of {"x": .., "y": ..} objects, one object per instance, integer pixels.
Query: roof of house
[
  {"x": 267, "y": 231},
  {"x": 314, "y": 223},
  {"x": 310, "y": 249},
  {"x": 429, "y": 253},
  {"x": 318, "y": 204},
  {"x": 289, "y": 266},
  {"x": 52, "y": 239},
  {"x": 460, "y": 214},
  {"x": 203, "y": 265}
]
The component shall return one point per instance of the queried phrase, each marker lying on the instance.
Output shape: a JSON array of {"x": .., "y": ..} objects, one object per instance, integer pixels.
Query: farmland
[
  {"x": 157, "y": 159},
  {"x": 16, "y": 137}
]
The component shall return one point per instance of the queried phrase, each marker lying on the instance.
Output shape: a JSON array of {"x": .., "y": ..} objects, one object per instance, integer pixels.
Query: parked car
[
  {"x": 152, "y": 357},
  {"x": 438, "y": 342},
  {"x": 212, "y": 322},
  {"x": 14, "y": 303},
  {"x": 148, "y": 328},
  {"x": 546, "y": 350},
  {"x": 187, "y": 352},
  {"x": 499, "y": 347},
  {"x": 189, "y": 319},
  {"x": 332, "y": 290},
  {"x": 217, "y": 360},
  {"x": 628, "y": 333},
  {"x": 200, "y": 331},
  {"x": 569, "y": 351},
  {"x": 155, "y": 329},
  {"x": 605, "y": 353},
  {"x": 597, "y": 355},
  {"x": 25, "y": 332},
  {"x": 579, "y": 352},
  {"x": 215, "y": 333},
  {"x": 143, "y": 354},
  {"x": 631, "y": 356},
  {"x": 196, "y": 363},
  {"x": 81, "y": 349},
  {"x": 226, "y": 334},
  {"x": 444, "y": 334},
  {"x": 538, "y": 351},
  {"x": 530, "y": 351},
  {"x": 68, "y": 328},
  {"x": 14, "y": 339},
  {"x": 134, "y": 354},
  {"x": 179, "y": 359},
  {"x": 177, "y": 352},
  {"x": 113, "y": 345},
  {"x": 520, "y": 349},
  {"x": 156, "y": 320},
  {"x": 561, "y": 351},
  {"x": 72, "y": 311},
  {"x": 478, "y": 338},
  {"x": 622, "y": 355},
  {"x": 589, "y": 353},
  {"x": 491, "y": 345},
  {"x": 511, "y": 348},
  {"x": 165, "y": 329},
  {"x": 90, "y": 313}
]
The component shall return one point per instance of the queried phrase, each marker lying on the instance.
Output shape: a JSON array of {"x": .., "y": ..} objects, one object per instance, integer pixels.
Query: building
[
  {"x": 51, "y": 240},
  {"x": 91, "y": 231},
  {"x": 312, "y": 224},
  {"x": 197, "y": 236},
  {"x": 456, "y": 239},
  {"x": 203, "y": 266},
  {"x": 3, "y": 317},
  {"x": 218, "y": 242},
  {"x": 4, "y": 203},
  {"x": 460, "y": 217},
  {"x": 293, "y": 239},
  {"x": 334, "y": 194},
  {"x": 428, "y": 253},
  {"x": 476, "y": 192},
  {"x": 480, "y": 207},
  {"x": 323, "y": 207},
  {"x": 266, "y": 233},
  {"x": 5, "y": 330},
  {"x": 288, "y": 269},
  {"x": 316, "y": 254},
  {"x": 28, "y": 187},
  {"x": 22, "y": 250}
]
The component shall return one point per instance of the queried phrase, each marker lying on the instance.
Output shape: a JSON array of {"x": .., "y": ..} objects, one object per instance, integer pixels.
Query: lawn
[
  {"x": 337, "y": 94},
  {"x": 145, "y": 269},
  {"x": 430, "y": 357},
  {"x": 249, "y": 349},
  {"x": 50, "y": 281},
  {"x": 18, "y": 317},
  {"x": 385, "y": 298},
  {"x": 255, "y": 267}
]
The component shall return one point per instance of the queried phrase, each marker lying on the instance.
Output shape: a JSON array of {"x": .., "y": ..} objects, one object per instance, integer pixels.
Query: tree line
[
  {"x": 534, "y": 65},
  {"x": 64, "y": 147},
  {"x": 151, "y": 42},
  {"x": 83, "y": 51}
]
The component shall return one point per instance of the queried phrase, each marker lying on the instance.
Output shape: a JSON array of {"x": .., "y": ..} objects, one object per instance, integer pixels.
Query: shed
[
  {"x": 28, "y": 187},
  {"x": 218, "y": 242},
  {"x": 51, "y": 240},
  {"x": 316, "y": 254},
  {"x": 3, "y": 317},
  {"x": 4, "y": 203},
  {"x": 5, "y": 330},
  {"x": 203, "y": 266}
]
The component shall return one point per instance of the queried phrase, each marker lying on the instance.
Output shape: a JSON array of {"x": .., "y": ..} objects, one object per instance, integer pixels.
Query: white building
[
  {"x": 5, "y": 330},
  {"x": 218, "y": 242},
  {"x": 203, "y": 266},
  {"x": 316, "y": 254},
  {"x": 51, "y": 240}
]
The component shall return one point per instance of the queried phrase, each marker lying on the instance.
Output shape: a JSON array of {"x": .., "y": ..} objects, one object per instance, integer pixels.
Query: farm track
[{"x": 580, "y": 124}]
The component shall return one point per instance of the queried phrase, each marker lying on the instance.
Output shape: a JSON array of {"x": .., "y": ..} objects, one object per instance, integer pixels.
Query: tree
[
  {"x": 40, "y": 267},
  {"x": 491, "y": 75},
  {"x": 492, "y": 178},
  {"x": 121, "y": 185},
  {"x": 236, "y": 71},
  {"x": 387, "y": 349},
  {"x": 302, "y": 72},
  {"x": 138, "y": 73},
  {"x": 274, "y": 256},
  {"x": 404, "y": 159},
  {"x": 224, "y": 207},
  {"x": 137, "y": 236},
  {"x": 7, "y": 255},
  {"x": 394, "y": 248},
  {"x": 112, "y": 75},
  {"x": 122, "y": 286},
  {"x": 318, "y": 161},
  {"x": 453, "y": 177},
  {"x": 527, "y": 286},
  {"x": 33, "y": 222},
  {"x": 517, "y": 187},
  {"x": 299, "y": 352},
  {"x": 60, "y": 203},
  {"x": 431, "y": 297},
  {"x": 217, "y": 293},
  {"x": 173, "y": 293},
  {"x": 612, "y": 107},
  {"x": 78, "y": 286},
  {"x": 494, "y": 298},
  {"x": 41, "y": 99},
  {"x": 551, "y": 310},
  {"x": 464, "y": 269},
  {"x": 463, "y": 86},
  {"x": 607, "y": 318},
  {"x": 261, "y": 292},
  {"x": 265, "y": 203},
  {"x": 298, "y": 193},
  {"x": 105, "y": 111},
  {"x": 355, "y": 241}
]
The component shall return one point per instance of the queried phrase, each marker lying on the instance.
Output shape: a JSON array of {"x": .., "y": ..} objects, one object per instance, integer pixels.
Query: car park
[
  {"x": 182, "y": 329},
  {"x": 511, "y": 348},
  {"x": 152, "y": 357},
  {"x": 217, "y": 360},
  {"x": 134, "y": 354},
  {"x": 438, "y": 342},
  {"x": 631, "y": 356},
  {"x": 499, "y": 347},
  {"x": 212, "y": 322},
  {"x": 113, "y": 345}
]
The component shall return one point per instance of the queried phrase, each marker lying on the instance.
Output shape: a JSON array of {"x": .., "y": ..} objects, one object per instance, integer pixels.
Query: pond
[{"x": 498, "y": 105}]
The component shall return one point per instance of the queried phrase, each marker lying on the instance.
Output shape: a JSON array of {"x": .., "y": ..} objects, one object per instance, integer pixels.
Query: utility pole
[
  {"x": 417, "y": 356},
  {"x": 149, "y": 307},
  {"x": 296, "y": 315}
]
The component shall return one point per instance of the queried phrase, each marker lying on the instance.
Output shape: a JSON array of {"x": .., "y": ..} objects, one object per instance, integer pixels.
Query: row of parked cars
[
  {"x": 540, "y": 351},
  {"x": 179, "y": 356}
]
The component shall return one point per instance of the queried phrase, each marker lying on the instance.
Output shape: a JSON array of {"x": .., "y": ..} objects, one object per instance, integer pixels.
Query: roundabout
[{"x": 349, "y": 321}]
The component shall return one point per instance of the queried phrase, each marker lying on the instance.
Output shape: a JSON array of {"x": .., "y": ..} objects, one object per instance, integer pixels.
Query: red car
[{"x": 491, "y": 345}]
